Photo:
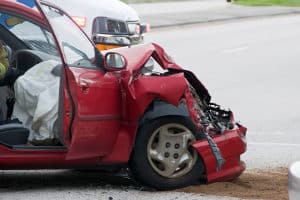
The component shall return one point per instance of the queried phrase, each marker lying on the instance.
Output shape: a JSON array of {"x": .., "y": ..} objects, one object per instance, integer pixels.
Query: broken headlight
[{"x": 152, "y": 68}]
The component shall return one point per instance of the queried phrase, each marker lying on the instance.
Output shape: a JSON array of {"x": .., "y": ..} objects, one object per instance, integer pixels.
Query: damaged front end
[{"x": 225, "y": 138}]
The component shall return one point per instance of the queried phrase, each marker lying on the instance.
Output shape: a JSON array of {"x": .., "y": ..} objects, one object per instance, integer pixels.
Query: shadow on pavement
[{"x": 47, "y": 179}]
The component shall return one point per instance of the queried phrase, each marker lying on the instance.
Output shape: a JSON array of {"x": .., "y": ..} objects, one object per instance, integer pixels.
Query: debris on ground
[{"x": 269, "y": 184}]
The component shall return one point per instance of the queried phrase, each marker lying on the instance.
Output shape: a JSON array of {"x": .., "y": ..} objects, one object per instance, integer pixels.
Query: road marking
[
  {"x": 233, "y": 50},
  {"x": 273, "y": 144}
]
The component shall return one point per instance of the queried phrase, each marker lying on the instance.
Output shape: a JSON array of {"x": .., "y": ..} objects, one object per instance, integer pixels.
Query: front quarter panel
[
  {"x": 141, "y": 92},
  {"x": 137, "y": 95}
]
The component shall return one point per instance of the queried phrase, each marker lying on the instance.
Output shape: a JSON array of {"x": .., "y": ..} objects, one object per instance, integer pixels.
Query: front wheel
[{"x": 163, "y": 157}]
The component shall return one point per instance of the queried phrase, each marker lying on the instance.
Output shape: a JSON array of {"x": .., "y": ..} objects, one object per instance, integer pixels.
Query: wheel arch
[{"x": 160, "y": 108}]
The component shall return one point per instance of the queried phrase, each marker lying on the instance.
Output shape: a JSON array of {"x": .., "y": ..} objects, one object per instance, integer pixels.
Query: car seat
[{"x": 13, "y": 134}]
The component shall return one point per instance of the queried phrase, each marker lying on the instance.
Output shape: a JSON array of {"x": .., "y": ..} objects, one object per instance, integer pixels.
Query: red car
[{"x": 115, "y": 109}]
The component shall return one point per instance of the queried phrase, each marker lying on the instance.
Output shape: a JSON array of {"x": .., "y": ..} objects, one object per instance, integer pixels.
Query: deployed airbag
[{"x": 37, "y": 95}]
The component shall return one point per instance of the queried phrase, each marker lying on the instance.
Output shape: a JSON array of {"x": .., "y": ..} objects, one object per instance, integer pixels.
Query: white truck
[{"x": 110, "y": 23}]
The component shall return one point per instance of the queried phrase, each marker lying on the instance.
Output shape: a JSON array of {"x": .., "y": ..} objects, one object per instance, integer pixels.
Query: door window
[{"x": 78, "y": 50}]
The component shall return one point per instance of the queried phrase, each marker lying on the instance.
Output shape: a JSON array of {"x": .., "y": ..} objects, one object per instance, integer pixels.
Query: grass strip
[{"x": 268, "y": 2}]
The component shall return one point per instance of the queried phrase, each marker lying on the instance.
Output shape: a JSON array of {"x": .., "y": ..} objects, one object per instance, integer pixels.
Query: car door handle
[{"x": 84, "y": 86}]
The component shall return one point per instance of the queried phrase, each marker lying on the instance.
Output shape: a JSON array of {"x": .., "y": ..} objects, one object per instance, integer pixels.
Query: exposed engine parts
[
  {"x": 208, "y": 116},
  {"x": 212, "y": 118}
]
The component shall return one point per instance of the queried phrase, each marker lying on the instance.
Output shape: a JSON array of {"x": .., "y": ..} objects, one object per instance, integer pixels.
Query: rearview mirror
[{"x": 114, "y": 62}]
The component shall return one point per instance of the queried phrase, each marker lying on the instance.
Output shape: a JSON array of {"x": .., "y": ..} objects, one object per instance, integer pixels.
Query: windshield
[
  {"x": 36, "y": 37},
  {"x": 77, "y": 48}
]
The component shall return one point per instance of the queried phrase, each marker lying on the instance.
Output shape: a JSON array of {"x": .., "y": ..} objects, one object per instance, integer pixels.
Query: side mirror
[{"x": 114, "y": 62}]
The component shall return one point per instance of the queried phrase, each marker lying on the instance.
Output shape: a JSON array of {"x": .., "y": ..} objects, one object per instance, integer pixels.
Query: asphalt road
[
  {"x": 249, "y": 66},
  {"x": 160, "y": 14}
]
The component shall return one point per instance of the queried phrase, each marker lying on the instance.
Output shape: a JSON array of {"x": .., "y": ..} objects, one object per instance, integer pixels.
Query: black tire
[{"x": 140, "y": 163}]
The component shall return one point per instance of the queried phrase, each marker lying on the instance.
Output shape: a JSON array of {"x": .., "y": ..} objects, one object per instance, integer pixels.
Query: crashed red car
[{"x": 115, "y": 109}]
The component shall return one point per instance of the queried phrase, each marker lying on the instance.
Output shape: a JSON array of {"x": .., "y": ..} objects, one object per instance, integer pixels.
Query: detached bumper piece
[
  {"x": 231, "y": 144},
  {"x": 225, "y": 140}
]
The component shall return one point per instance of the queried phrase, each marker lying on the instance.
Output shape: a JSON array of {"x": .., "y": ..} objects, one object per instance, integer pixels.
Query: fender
[
  {"x": 148, "y": 97},
  {"x": 160, "y": 109},
  {"x": 141, "y": 92},
  {"x": 137, "y": 96}
]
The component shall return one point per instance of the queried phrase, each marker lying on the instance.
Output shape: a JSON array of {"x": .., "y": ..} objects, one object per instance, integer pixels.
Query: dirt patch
[{"x": 258, "y": 184}]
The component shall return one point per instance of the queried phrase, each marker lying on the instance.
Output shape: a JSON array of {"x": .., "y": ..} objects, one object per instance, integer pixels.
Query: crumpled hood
[{"x": 136, "y": 56}]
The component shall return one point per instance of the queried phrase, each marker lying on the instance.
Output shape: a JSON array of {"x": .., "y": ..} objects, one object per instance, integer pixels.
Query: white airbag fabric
[{"x": 37, "y": 95}]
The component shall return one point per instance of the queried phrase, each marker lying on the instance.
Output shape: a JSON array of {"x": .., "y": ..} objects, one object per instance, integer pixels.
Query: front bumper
[{"x": 232, "y": 143}]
